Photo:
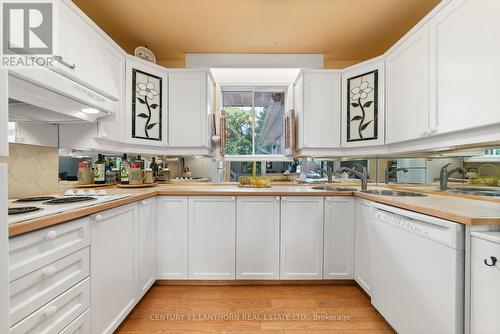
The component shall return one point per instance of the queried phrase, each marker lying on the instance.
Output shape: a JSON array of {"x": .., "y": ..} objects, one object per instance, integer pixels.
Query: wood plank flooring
[{"x": 269, "y": 309}]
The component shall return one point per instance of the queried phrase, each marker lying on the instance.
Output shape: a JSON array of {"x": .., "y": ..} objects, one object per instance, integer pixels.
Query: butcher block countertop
[{"x": 464, "y": 210}]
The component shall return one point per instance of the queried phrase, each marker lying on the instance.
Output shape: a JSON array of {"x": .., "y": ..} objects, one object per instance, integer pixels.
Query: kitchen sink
[
  {"x": 326, "y": 188},
  {"x": 395, "y": 193},
  {"x": 475, "y": 191}
]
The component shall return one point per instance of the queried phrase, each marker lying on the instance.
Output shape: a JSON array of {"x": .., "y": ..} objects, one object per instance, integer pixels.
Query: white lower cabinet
[
  {"x": 212, "y": 237},
  {"x": 362, "y": 251},
  {"x": 113, "y": 266},
  {"x": 301, "y": 238},
  {"x": 257, "y": 237},
  {"x": 147, "y": 244},
  {"x": 172, "y": 238},
  {"x": 339, "y": 237},
  {"x": 485, "y": 283}
]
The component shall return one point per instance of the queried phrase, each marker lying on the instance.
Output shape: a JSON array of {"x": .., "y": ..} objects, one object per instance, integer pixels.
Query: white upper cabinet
[
  {"x": 465, "y": 66},
  {"x": 191, "y": 105},
  {"x": 363, "y": 109},
  {"x": 301, "y": 238},
  {"x": 407, "y": 88},
  {"x": 258, "y": 237},
  {"x": 339, "y": 237},
  {"x": 317, "y": 107},
  {"x": 145, "y": 103},
  {"x": 82, "y": 54},
  {"x": 212, "y": 234}
]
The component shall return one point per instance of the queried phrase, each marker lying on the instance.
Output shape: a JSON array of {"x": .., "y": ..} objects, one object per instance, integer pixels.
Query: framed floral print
[
  {"x": 146, "y": 106},
  {"x": 362, "y": 107}
]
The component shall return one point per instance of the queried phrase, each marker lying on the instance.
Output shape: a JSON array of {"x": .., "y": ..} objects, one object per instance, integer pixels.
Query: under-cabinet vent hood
[{"x": 41, "y": 95}]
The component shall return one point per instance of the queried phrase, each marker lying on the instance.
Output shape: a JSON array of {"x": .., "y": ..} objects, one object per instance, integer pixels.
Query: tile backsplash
[{"x": 33, "y": 170}]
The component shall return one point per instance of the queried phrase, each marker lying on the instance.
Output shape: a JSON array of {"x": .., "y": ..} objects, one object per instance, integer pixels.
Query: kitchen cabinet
[
  {"x": 464, "y": 53},
  {"x": 317, "y": 108},
  {"x": 172, "y": 238},
  {"x": 145, "y": 102},
  {"x": 4, "y": 116},
  {"x": 4, "y": 251},
  {"x": 485, "y": 282},
  {"x": 339, "y": 237},
  {"x": 147, "y": 244},
  {"x": 362, "y": 251},
  {"x": 363, "y": 124},
  {"x": 301, "y": 238},
  {"x": 113, "y": 266},
  {"x": 212, "y": 237},
  {"x": 257, "y": 237},
  {"x": 191, "y": 105},
  {"x": 84, "y": 55},
  {"x": 407, "y": 87}
]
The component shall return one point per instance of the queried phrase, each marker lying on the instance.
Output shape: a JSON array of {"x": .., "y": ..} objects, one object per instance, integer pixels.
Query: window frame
[{"x": 256, "y": 89}]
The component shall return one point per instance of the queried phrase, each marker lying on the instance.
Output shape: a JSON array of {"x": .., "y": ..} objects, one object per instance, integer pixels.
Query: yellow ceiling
[{"x": 345, "y": 31}]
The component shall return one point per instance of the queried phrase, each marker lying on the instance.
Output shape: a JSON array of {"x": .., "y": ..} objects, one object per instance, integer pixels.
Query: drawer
[
  {"x": 81, "y": 325},
  {"x": 31, "y": 251},
  {"x": 58, "y": 314},
  {"x": 32, "y": 291}
]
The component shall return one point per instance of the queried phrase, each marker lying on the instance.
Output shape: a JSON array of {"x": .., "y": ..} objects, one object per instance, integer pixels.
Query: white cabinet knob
[
  {"x": 277, "y": 198},
  {"x": 99, "y": 218},
  {"x": 50, "y": 311},
  {"x": 146, "y": 202},
  {"x": 233, "y": 198},
  {"x": 49, "y": 271},
  {"x": 51, "y": 235}
]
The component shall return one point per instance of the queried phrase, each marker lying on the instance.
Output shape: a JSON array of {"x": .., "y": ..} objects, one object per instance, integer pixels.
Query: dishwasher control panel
[{"x": 435, "y": 232}]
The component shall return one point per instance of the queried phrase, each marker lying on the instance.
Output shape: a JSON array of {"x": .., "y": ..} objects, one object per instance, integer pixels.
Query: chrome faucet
[
  {"x": 445, "y": 174},
  {"x": 362, "y": 176},
  {"x": 388, "y": 173}
]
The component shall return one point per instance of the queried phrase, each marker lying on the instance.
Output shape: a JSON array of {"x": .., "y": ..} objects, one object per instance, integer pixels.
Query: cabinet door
[
  {"x": 147, "y": 244},
  {"x": 485, "y": 287},
  {"x": 172, "y": 238},
  {"x": 212, "y": 237},
  {"x": 145, "y": 102},
  {"x": 113, "y": 267},
  {"x": 465, "y": 66},
  {"x": 4, "y": 116},
  {"x": 407, "y": 88},
  {"x": 4, "y": 252},
  {"x": 362, "y": 263},
  {"x": 301, "y": 238},
  {"x": 321, "y": 109},
  {"x": 84, "y": 55},
  {"x": 257, "y": 237},
  {"x": 363, "y": 107},
  {"x": 339, "y": 237},
  {"x": 190, "y": 99}
]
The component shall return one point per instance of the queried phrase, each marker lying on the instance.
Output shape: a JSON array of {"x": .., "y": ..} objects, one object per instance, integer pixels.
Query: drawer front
[
  {"x": 485, "y": 286},
  {"x": 58, "y": 314},
  {"x": 32, "y": 291},
  {"x": 81, "y": 325},
  {"x": 31, "y": 251}
]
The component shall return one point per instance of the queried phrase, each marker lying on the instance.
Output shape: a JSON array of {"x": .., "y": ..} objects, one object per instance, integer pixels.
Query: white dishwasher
[{"x": 418, "y": 271}]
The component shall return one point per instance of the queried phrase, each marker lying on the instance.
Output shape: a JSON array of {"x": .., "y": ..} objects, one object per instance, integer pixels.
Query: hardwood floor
[{"x": 271, "y": 309}]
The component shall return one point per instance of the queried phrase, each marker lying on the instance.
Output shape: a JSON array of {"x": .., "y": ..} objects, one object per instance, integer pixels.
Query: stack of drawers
[{"x": 49, "y": 280}]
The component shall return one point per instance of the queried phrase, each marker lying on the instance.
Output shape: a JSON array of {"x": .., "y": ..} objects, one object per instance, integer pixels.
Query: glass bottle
[
  {"x": 124, "y": 170},
  {"x": 100, "y": 170}
]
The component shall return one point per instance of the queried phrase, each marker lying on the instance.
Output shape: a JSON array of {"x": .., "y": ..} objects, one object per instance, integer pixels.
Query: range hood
[{"x": 41, "y": 95}]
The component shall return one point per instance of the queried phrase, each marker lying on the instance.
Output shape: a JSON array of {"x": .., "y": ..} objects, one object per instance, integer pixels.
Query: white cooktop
[{"x": 50, "y": 209}]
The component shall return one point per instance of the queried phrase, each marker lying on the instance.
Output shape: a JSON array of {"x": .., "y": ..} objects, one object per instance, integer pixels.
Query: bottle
[
  {"x": 124, "y": 170},
  {"x": 154, "y": 166},
  {"x": 100, "y": 170}
]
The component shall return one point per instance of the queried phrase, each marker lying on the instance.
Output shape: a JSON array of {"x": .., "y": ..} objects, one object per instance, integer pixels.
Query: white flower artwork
[
  {"x": 146, "y": 105},
  {"x": 362, "y": 107}
]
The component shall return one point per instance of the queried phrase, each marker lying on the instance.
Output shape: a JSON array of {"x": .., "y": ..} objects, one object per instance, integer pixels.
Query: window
[{"x": 254, "y": 122}]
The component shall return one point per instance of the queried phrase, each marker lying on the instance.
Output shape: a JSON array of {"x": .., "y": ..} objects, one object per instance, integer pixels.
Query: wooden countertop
[{"x": 464, "y": 210}]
